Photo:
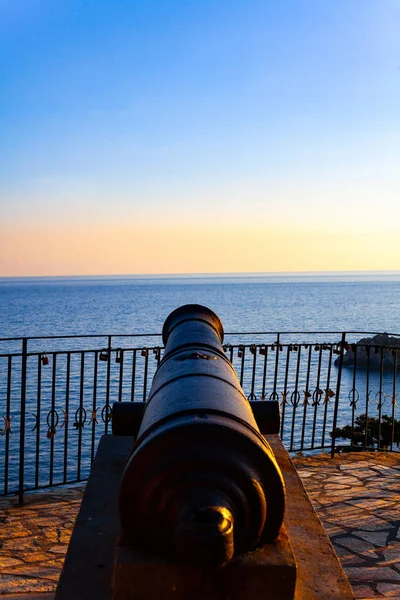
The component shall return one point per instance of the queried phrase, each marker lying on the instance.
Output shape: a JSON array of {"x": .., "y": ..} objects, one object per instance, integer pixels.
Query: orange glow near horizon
[{"x": 190, "y": 248}]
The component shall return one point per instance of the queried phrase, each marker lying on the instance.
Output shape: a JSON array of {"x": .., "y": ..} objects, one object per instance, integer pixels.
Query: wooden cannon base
[{"x": 300, "y": 565}]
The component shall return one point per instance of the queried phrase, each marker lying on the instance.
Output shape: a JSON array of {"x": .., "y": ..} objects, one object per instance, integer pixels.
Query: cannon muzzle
[{"x": 201, "y": 483}]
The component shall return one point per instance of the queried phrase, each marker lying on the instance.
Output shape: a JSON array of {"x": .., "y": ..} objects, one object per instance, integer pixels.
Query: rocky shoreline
[{"x": 373, "y": 352}]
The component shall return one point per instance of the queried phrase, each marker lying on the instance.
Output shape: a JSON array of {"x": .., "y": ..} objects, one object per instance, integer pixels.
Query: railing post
[
  {"x": 108, "y": 384},
  {"x": 278, "y": 341},
  {"x": 22, "y": 428},
  {"x": 339, "y": 377},
  {"x": 146, "y": 368}
]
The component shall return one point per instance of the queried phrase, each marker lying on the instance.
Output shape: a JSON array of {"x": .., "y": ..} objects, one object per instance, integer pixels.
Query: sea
[
  {"x": 356, "y": 301},
  {"x": 253, "y": 308}
]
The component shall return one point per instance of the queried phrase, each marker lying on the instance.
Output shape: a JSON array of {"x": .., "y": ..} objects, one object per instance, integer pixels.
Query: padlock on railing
[
  {"x": 103, "y": 355},
  {"x": 51, "y": 433}
]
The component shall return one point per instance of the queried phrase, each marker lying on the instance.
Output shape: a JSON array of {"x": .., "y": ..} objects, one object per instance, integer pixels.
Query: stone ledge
[{"x": 319, "y": 577}]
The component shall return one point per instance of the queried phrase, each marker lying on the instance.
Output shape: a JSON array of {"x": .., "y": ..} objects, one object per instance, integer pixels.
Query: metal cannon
[{"x": 201, "y": 483}]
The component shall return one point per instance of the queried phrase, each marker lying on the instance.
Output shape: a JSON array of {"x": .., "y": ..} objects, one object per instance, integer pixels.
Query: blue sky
[{"x": 141, "y": 113}]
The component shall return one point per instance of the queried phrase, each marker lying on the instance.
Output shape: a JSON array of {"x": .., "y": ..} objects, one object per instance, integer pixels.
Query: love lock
[
  {"x": 118, "y": 356},
  {"x": 144, "y": 352},
  {"x": 51, "y": 432},
  {"x": 93, "y": 418},
  {"x": 7, "y": 423},
  {"x": 104, "y": 355},
  {"x": 45, "y": 359}
]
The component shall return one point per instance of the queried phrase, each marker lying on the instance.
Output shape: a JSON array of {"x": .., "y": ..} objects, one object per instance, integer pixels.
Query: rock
[{"x": 376, "y": 346}]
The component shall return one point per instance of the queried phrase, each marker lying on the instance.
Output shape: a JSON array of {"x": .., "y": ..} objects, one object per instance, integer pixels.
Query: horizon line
[{"x": 225, "y": 274}]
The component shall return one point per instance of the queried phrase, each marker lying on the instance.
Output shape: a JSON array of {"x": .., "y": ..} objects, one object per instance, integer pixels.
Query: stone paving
[
  {"x": 34, "y": 539},
  {"x": 357, "y": 497}
]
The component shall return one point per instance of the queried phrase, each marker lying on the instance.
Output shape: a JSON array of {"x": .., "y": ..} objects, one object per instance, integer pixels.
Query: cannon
[
  {"x": 194, "y": 508},
  {"x": 201, "y": 483}
]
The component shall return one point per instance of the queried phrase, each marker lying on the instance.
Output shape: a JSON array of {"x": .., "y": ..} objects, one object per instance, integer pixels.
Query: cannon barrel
[{"x": 201, "y": 483}]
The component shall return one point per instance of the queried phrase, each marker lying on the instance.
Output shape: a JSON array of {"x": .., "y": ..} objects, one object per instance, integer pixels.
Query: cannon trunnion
[{"x": 201, "y": 483}]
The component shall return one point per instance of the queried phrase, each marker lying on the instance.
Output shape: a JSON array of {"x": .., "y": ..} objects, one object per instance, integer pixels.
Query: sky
[{"x": 179, "y": 136}]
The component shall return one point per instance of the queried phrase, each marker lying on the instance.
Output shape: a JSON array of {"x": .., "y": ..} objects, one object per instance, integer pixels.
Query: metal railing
[{"x": 56, "y": 395}]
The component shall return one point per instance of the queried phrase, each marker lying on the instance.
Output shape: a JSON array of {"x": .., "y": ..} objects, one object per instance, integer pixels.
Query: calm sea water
[
  {"x": 138, "y": 305},
  {"x": 55, "y": 306}
]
